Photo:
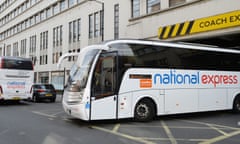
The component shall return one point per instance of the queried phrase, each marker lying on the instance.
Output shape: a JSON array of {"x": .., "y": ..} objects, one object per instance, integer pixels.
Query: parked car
[{"x": 43, "y": 92}]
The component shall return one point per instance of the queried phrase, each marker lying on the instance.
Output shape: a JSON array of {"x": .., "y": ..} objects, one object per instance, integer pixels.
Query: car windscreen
[{"x": 44, "y": 87}]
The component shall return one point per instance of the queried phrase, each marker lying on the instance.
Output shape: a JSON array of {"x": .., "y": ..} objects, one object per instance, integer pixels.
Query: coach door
[{"x": 104, "y": 95}]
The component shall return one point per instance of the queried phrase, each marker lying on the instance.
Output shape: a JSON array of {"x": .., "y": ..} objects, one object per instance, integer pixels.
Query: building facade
[{"x": 43, "y": 30}]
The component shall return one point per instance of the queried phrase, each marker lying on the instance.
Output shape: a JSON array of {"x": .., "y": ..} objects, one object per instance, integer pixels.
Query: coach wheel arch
[
  {"x": 145, "y": 110},
  {"x": 236, "y": 104}
]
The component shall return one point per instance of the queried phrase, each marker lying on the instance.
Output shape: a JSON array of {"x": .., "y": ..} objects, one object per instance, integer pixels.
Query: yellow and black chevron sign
[
  {"x": 226, "y": 20},
  {"x": 175, "y": 30}
]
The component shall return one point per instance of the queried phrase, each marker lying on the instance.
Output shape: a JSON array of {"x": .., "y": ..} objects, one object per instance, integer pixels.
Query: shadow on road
[
  {"x": 13, "y": 103},
  {"x": 189, "y": 116}
]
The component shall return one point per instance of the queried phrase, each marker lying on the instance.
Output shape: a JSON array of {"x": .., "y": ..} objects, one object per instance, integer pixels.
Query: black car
[{"x": 42, "y": 92}]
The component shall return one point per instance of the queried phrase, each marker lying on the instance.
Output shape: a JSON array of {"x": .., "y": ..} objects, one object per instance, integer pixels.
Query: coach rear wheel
[
  {"x": 236, "y": 104},
  {"x": 144, "y": 111}
]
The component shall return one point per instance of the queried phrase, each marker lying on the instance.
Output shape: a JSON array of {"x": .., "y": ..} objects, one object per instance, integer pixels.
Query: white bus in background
[
  {"x": 16, "y": 78},
  {"x": 143, "y": 79}
]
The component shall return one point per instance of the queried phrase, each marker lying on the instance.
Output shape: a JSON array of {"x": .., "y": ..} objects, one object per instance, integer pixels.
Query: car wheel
[
  {"x": 35, "y": 99},
  {"x": 52, "y": 100}
]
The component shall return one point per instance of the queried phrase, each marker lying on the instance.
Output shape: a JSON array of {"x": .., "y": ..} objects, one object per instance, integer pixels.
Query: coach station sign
[{"x": 221, "y": 21}]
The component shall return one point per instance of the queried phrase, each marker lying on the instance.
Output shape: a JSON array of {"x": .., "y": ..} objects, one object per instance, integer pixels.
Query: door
[{"x": 104, "y": 93}]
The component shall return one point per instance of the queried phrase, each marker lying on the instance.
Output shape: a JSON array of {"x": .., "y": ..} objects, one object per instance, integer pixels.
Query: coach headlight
[
  {"x": 74, "y": 94},
  {"x": 74, "y": 97},
  {"x": 74, "y": 87}
]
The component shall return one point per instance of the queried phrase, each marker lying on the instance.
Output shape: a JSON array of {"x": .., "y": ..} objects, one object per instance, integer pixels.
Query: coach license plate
[{"x": 16, "y": 98}]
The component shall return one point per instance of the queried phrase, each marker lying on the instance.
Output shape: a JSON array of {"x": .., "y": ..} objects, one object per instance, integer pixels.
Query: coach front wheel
[{"x": 144, "y": 110}]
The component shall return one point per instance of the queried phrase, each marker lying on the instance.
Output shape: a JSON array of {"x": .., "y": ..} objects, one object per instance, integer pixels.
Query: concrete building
[{"x": 45, "y": 29}]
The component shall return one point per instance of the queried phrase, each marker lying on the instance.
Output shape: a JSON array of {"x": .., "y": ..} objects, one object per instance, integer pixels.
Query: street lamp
[{"x": 102, "y": 20}]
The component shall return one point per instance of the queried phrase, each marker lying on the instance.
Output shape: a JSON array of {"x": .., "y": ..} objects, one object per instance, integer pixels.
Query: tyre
[
  {"x": 236, "y": 104},
  {"x": 52, "y": 100},
  {"x": 144, "y": 111},
  {"x": 35, "y": 99}
]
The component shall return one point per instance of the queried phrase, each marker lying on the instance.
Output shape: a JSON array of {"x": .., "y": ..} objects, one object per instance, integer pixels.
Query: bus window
[{"x": 19, "y": 64}]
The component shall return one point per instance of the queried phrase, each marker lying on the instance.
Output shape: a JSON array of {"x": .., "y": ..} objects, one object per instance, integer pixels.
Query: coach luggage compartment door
[{"x": 104, "y": 93}]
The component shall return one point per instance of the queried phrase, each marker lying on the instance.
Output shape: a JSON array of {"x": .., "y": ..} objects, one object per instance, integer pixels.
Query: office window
[
  {"x": 71, "y": 2},
  {"x": 176, "y": 2},
  {"x": 23, "y": 25},
  {"x": 19, "y": 27},
  {"x": 53, "y": 58},
  {"x": 37, "y": 18},
  {"x": 43, "y": 40},
  {"x": 61, "y": 34},
  {"x": 40, "y": 60},
  {"x": 7, "y": 18},
  {"x": 74, "y": 31},
  {"x": 46, "y": 59},
  {"x": 16, "y": 12},
  {"x": 55, "y": 9},
  {"x": 70, "y": 32},
  {"x": 101, "y": 23},
  {"x": 116, "y": 21},
  {"x": 79, "y": 29},
  {"x": 33, "y": 40},
  {"x": 43, "y": 47},
  {"x": 54, "y": 37},
  {"x": 62, "y": 5},
  {"x": 23, "y": 48},
  {"x": 10, "y": 15},
  {"x": 24, "y": 6},
  {"x": 57, "y": 41},
  {"x": 8, "y": 51},
  {"x": 57, "y": 36},
  {"x": 32, "y": 2},
  {"x": 153, "y": 5},
  {"x": 27, "y": 23},
  {"x": 42, "y": 15},
  {"x": 135, "y": 8},
  {"x": 97, "y": 24},
  {"x": 32, "y": 21},
  {"x": 1, "y": 51},
  {"x": 56, "y": 56},
  {"x": 43, "y": 59},
  {"x": 48, "y": 12},
  {"x": 27, "y": 3},
  {"x": 19, "y": 10},
  {"x": 15, "y": 49},
  {"x": 14, "y": 29},
  {"x": 91, "y": 26}
]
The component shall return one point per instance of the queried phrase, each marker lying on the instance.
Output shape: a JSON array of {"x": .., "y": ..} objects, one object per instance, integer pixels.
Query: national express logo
[
  {"x": 194, "y": 78},
  {"x": 16, "y": 85}
]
